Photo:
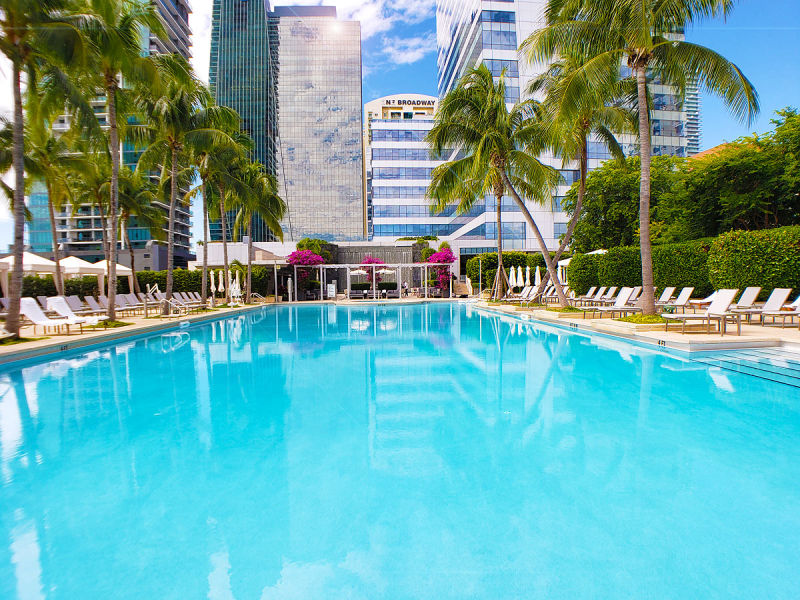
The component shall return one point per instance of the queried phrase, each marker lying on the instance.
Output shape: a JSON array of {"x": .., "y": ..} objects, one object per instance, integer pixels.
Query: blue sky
[{"x": 399, "y": 56}]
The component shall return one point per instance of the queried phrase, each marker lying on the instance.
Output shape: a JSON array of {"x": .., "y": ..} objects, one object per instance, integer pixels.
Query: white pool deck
[{"x": 753, "y": 336}]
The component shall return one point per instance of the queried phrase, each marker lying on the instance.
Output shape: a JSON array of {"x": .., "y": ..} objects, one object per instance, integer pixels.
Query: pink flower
[{"x": 305, "y": 258}]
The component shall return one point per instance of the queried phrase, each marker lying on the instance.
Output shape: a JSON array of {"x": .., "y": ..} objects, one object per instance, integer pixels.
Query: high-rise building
[
  {"x": 80, "y": 230},
  {"x": 295, "y": 77},
  {"x": 471, "y": 32}
]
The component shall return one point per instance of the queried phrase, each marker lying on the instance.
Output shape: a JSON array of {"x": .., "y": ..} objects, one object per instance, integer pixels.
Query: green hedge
[
  {"x": 82, "y": 286},
  {"x": 769, "y": 258},
  {"x": 510, "y": 259},
  {"x": 682, "y": 265},
  {"x": 620, "y": 266},
  {"x": 582, "y": 272}
]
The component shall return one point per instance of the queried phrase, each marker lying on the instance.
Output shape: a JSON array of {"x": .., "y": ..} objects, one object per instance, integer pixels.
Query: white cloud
[
  {"x": 376, "y": 17},
  {"x": 409, "y": 50}
]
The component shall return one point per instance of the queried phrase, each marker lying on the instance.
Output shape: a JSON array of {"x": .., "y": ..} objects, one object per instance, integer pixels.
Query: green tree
[
  {"x": 183, "y": 120},
  {"x": 499, "y": 148},
  {"x": 137, "y": 195},
  {"x": 599, "y": 114},
  {"x": 114, "y": 30},
  {"x": 33, "y": 33},
  {"x": 640, "y": 33},
  {"x": 260, "y": 199}
]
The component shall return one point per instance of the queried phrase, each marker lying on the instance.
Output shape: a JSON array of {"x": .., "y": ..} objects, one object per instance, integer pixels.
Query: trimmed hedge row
[
  {"x": 511, "y": 258},
  {"x": 769, "y": 258}
]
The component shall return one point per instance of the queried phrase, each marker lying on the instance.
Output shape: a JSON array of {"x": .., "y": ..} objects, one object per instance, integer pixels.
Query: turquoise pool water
[{"x": 393, "y": 452}]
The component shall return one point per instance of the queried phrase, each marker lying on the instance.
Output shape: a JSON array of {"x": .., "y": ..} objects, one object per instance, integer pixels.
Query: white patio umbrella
[
  {"x": 213, "y": 281},
  {"x": 358, "y": 272},
  {"x": 221, "y": 286},
  {"x": 537, "y": 277},
  {"x": 385, "y": 271},
  {"x": 519, "y": 276},
  {"x": 512, "y": 278},
  {"x": 527, "y": 275}
]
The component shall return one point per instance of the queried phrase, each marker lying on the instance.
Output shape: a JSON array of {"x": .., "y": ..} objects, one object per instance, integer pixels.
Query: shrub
[
  {"x": 768, "y": 258},
  {"x": 387, "y": 285},
  {"x": 621, "y": 266},
  {"x": 682, "y": 265},
  {"x": 427, "y": 253},
  {"x": 360, "y": 286},
  {"x": 510, "y": 259},
  {"x": 582, "y": 272},
  {"x": 444, "y": 245},
  {"x": 38, "y": 286},
  {"x": 319, "y": 247}
]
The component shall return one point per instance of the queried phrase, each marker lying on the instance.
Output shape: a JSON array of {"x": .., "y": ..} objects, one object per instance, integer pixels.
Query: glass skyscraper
[
  {"x": 471, "y": 32},
  {"x": 295, "y": 77}
]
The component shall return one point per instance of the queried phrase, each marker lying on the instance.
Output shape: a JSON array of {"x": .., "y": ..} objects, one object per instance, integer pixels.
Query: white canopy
[
  {"x": 121, "y": 269},
  {"x": 31, "y": 263},
  {"x": 72, "y": 265}
]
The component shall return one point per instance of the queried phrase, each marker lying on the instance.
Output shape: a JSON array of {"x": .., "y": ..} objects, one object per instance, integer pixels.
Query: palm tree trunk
[
  {"x": 576, "y": 213},
  {"x": 223, "y": 222},
  {"x": 249, "y": 258},
  {"x": 173, "y": 195},
  {"x": 136, "y": 289},
  {"x": 114, "y": 199},
  {"x": 648, "y": 295},
  {"x": 551, "y": 269},
  {"x": 15, "y": 288},
  {"x": 57, "y": 276},
  {"x": 500, "y": 277},
  {"x": 104, "y": 226},
  {"x": 204, "y": 284}
]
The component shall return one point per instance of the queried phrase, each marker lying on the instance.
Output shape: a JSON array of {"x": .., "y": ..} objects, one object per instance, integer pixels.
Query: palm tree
[
  {"x": 600, "y": 114},
  {"x": 641, "y": 33},
  {"x": 137, "y": 195},
  {"x": 32, "y": 33},
  {"x": 114, "y": 32},
  {"x": 261, "y": 199},
  {"x": 499, "y": 148},
  {"x": 183, "y": 121},
  {"x": 90, "y": 185}
]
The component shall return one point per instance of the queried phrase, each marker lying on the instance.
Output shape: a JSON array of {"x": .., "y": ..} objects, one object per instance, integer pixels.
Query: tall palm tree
[
  {"x": 261, "y": 199},
  {"x": 640, "y": 33},
  {"x": 32, "y": 33},
  {"x": 499, "y": 147},
  {"x": 137, "y": 195},
  {"x": 602, "y": 112},
  {"x": 114, "y": 33},
  {"x": 182, "y": 118},
  {"x": 90, "y": 186}
]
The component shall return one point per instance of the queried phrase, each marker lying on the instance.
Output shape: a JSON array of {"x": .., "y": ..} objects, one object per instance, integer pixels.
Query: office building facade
[
  {"x": 80, "y": 229},
  {"x": 471, "y": 32},
  {"x": 304, "y": 111}
]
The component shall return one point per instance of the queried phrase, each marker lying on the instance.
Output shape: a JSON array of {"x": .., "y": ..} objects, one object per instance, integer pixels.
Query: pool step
[{"x": 772, "y": 364}]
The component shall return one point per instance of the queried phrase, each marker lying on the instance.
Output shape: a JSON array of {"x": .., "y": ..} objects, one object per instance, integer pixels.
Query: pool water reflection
[{"x": 425, "y": 451}]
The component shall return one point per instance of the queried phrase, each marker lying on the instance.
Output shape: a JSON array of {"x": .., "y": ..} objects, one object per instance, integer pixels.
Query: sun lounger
[
  {"x": 620, "y": 304},
  {"x": 77, "y": 305},
  {"x": 597, "y": 296},
  {"x": 587, "y": 295},
  {"x": 58, "y": 305},
  {"x": 748, "y": 297},
  {"x": 683, "y": 299},
  {"x": 31, "y": 310},
  {"x": 666, "y": 296},
  {"x": 637, "y": 291},
  {"x": 42, "y": 300},
  {"x": 773, "y": 307},
  {"x": 718, "y": 311},
  {"x": 93, "y": 304},
  {"x": 701, "y": 302},
  {"x": 609, "y": 298}
]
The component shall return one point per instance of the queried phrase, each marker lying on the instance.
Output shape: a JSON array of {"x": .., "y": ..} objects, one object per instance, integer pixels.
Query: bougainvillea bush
[
  {"x": 372, "y": 260},
  {"x": 304, "y": 258},
  {"x": 444, "y": 256}
]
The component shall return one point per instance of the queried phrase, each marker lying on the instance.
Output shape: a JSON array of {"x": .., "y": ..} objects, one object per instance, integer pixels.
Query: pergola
[
  {"x": 77, "y": 267},
  {"x": 398, "y": 268}
]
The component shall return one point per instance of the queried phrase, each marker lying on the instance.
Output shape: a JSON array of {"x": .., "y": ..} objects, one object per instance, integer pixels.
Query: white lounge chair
[
  {"x": 748, "y": 297},
  {"x": 590, "y": 299},
  {"x": 58, "y": 305},
  {"x": 773, "y": 307},
  {"x": 609, "y": 298},
  {"x": 701, "y": 302},
  {"x": 666, "y": 296},
  {"x": 34, "y": 313},
  {"x": 620, "y": 304},
  {"x": 683, "y": 299},
  {"x": 718, "y": 311}
]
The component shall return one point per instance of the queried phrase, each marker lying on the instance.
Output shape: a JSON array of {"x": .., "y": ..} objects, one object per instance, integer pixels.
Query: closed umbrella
[
  {"x": 519, "y": 276},
  {"x": 512, "y": 278},
  {"x": 537, "y": 277},
  {"x": 221, "y": 286},
  {"x": 213, "y": 282},
  {"x": 527, "y": 275}
]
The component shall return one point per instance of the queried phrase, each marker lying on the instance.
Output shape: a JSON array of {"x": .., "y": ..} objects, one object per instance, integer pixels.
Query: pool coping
[
  {"x": 61, "y": 346},
  {"x": 631, "y": 334}
]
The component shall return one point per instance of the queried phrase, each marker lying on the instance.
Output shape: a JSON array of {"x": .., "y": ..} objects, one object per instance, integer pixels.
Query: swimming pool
[{"x": 420, "y": 451}]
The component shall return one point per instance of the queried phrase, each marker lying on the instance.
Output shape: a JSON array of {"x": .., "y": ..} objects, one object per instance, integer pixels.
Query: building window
[
  {"x": 498, "y": 16},
  {"x": 559, "y": 229}
]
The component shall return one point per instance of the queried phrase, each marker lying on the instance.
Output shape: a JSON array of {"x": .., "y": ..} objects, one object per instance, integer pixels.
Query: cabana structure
[
  {"x": 122, "y": 271},
  {"x": 77, "y": 267},
  {"x": 32, "y": 264},
  {"x": 403, "y": 272}
]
